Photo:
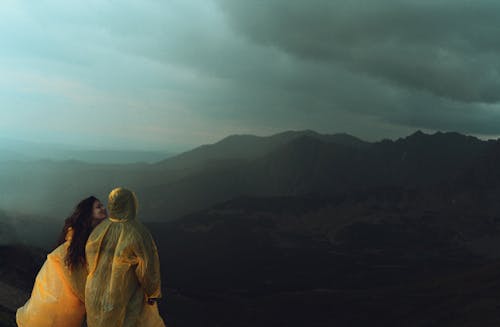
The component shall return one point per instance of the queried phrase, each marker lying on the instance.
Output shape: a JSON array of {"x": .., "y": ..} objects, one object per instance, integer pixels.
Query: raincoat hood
[{"x": 122, "y": 204}]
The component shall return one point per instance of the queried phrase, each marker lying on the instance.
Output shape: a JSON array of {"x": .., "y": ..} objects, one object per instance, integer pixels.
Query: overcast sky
[{"x": 171, "y": 74}]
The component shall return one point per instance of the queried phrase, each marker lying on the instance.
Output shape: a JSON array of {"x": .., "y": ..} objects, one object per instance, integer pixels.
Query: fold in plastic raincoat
[
  {"x": 58, "y": 294},
  {"x": 124, "y": 269}
]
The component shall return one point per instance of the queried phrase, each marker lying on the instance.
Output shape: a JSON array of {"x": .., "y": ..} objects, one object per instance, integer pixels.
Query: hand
[{"x": 151, "y": 300}]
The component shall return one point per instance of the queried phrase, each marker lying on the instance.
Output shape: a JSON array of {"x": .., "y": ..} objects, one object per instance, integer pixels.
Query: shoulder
[
  {"x": 69, "y": 234},
  {"x": 136, "y": 231},
  {"x": 59, "y": 253},
  {"x": 99, "y": 229}
]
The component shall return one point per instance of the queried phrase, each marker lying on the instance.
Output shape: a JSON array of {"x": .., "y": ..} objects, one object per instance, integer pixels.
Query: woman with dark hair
[{"x": 57, "y": 299}]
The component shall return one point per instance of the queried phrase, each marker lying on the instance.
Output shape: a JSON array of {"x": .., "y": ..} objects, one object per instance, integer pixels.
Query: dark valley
[{"x": 293, "y": 229}]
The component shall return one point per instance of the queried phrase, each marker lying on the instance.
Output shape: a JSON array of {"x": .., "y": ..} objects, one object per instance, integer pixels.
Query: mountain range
[
  {"x": 300, "y": 163},
  {"x": 285, "y": 164},
  {"x": 299, "y": 228}
]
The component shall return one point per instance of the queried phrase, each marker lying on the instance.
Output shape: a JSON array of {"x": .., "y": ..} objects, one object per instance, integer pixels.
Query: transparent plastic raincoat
[
  {"x": 58, "y": 294},
  {"x": 124, "y": 269}
]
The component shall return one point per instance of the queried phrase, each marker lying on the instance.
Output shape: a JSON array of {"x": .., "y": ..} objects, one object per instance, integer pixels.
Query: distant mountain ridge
[
  {"x": 306, "y": 162},
  {"x": 292, "y": 163},
  {"x": 251, "y": 147},
  {"x": 12, "y": 150}
]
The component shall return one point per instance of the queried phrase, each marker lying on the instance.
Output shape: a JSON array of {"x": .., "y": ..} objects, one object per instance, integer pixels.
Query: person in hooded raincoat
[
  {"x": 124, "y": 271},
  {"x": 57, "y": 299}
]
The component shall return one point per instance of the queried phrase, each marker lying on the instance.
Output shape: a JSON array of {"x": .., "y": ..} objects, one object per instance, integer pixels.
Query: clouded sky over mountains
[{"x": 175, "y": 73}]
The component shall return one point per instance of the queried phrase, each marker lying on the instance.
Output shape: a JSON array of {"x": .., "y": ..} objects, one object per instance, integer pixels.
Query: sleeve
[
  {"x": 52, "y": 301},
  {"x": 148, "y": 267}
]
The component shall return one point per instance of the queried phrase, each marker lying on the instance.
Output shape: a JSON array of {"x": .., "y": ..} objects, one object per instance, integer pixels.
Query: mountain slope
[
  {"x": 290, "y": 163},
  {"x": 247, "y": 147},
  {"x": 309, "y": 165}
]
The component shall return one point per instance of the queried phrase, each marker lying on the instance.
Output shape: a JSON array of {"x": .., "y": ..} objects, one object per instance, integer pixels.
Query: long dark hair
[{"x": 80, "y": 222}]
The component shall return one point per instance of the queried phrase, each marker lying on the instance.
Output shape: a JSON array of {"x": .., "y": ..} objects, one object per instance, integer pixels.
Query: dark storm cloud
[
  {"x": 426, "y": 64},
  {"x": 448, "y": 48}
]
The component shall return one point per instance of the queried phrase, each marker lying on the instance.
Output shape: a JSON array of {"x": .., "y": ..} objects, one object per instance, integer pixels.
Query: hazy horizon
[
  {"x": 32, "y": 151},
  {"x": 6, "y": 142}
]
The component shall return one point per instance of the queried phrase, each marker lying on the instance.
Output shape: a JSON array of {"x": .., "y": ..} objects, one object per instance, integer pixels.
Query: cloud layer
[{"x": 177, "y": 73}]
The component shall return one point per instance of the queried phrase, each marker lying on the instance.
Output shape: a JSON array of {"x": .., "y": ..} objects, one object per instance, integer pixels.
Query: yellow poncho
[
  {"x": 58, "y": 294},
  {"x": 124, "y": 269}
]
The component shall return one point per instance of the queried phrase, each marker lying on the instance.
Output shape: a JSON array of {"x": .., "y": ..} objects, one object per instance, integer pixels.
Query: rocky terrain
[{"x": 302, "y": 228}]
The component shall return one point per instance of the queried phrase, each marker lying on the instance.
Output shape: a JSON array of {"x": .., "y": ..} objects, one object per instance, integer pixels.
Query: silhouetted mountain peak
[
  {"x": 441, "y": 140},
  {"x": 339, "y": 138},
  {"x": 418, "y": 133},
  {"x": 416, "y": 137},
  {"x": 245, "y": 147},
  {"x": 452, "y": 136},
  {"x": 294, "y": 134},
  {"x": 236, "y": 138}
]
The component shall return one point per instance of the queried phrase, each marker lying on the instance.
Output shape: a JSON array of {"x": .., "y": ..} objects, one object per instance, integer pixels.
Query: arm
[{"x": 148, "y": 267}]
